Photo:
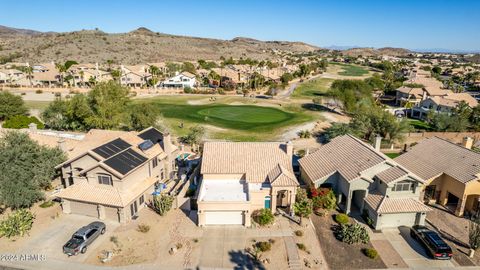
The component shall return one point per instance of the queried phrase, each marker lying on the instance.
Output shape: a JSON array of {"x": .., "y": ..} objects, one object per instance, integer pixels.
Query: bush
[
  {"x": 162, "y": 203},
  {"x": 370, "y": 252},
  {"x": 187, "y": 90},
  {"x": 301, "y": 246},
  {"x": 299, "y": 233},
  {"x": 352, "y": 233},
  {"x": 22, "y": 121},
  {"x": 325, "y": 199},
  {"x": 264, "y": 246},
  {"x": 143, "y": 228},
  {"x": 47, "y": 204},
  {"x": 263, "y": 216},
  {"x": 38, "y": 91},
  {"x": 341, "y": 219},
  {"x": 17, "y": 224}
]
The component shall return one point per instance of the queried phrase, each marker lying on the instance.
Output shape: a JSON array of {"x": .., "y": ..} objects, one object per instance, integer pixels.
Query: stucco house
[
  {"x": 366, "y": 181},
  {"x": 240, "y": 177},
  {"x": 182, "y": 80},
  {"x": 114, "y": 179},
  {"x": 451, "y": 173}
]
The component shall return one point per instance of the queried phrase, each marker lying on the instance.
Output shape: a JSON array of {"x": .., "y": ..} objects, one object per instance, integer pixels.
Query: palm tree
[
  {"x": 29, "y": 72},
  {"x": 82, "y": 75},
  {"x": 63, "y": 68},
  {"x": 154, "y": 71},
  {"x": 116, "y": 74}
]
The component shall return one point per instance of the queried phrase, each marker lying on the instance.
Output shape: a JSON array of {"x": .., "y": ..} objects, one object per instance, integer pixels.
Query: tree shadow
[{"x": 244, "y": 261}]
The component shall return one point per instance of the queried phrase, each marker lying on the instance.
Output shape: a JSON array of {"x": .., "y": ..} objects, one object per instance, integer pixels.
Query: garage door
[
  {"x": 223, "y": 217},
  {"x": 85, "y": 209},
  {"x": 396, "y": 220}
]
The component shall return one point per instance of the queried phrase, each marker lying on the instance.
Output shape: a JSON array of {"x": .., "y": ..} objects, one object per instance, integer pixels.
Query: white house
[{"x": 184, "y": 79}]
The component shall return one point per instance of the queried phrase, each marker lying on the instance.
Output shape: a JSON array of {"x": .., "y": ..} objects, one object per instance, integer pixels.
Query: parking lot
[
  {"x": 411, "y": 251},
  {"x": 50, "y": 242}
]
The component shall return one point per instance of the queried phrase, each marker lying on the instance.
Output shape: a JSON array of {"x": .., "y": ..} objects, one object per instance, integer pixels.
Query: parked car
[
  {"x": 83, "y": 238},
  {"x": 434, "y": 244}
]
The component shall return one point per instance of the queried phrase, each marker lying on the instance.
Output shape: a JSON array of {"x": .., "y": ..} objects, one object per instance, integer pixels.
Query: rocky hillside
[
  {"x": 138, "y": 46},
  {"x": 376, "y": 52}
]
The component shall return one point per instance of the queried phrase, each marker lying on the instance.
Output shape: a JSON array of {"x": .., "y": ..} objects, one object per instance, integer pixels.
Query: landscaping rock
[
  {"x": 173, "y": 250},
  {"x": 108, "y": 257}
]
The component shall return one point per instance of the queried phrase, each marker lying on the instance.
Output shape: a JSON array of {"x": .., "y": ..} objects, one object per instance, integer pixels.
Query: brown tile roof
[
  {"x": 391, "y": 174},
  {"x": 387, "y": 205},
  {"x": 346, "y": 155},
  {"x": 254, "y": 159},
  {"x": 104, "y": 194},
  {"x": 280, "y": 176},
  {"x": 434, "y": 156},
  {"x": 417, "y": 92}
]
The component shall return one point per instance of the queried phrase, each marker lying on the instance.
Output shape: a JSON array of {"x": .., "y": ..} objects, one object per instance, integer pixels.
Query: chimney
[
  {"x": 378, "y": 142},
  {"x": 468, "y": 142},
  {"x": 307, "y": 151},
  {"x": 32, "y": 127},
  {"x": 62, "y": 145},
  {"x": 424, "y": 94},
  {"x": 289, "y": 148}
]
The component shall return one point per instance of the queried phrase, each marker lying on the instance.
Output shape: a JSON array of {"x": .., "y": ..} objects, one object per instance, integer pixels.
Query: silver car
[{"x": 83, "y": 238}]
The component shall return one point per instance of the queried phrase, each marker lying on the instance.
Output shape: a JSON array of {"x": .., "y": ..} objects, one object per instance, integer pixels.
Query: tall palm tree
[
  {"x": 63, "y": 68},
  {"x": 82, "y": 76},
  {"x": 29, "y": 72}
]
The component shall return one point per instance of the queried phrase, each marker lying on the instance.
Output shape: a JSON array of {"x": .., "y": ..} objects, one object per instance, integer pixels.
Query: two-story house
[
  {"x": 134, "y": 76},
  {"x": 451, "y": 173},
  {"x": 115, "y": 179},
  {"x": 182, "y": 80},
  {"x": 240, "y": 177},
  {"x": 366, "y": 181}
]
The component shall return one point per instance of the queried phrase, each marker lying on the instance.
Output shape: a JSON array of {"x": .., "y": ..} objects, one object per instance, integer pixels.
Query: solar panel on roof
[
  {"x": 125, "y": 161},
  {"x": 152, "y": 134},
  {"x": 111, "y": 148}
]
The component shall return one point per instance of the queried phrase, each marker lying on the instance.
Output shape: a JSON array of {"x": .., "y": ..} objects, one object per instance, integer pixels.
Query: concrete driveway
[
  {"x": 223, "y": 247},
  {"x": 51, "y": 241},
  {"x": 411, "y": 251}
]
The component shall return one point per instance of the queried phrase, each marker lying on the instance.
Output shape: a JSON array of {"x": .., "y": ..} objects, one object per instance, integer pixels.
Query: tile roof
[
  {"x": 280, "y": 176},
  {"x": 387, "y": 205},
  {"x": 434, "y": 156},
  {"x": 391, "y": 174},
  {"x": 345, "y": 154},
  {"x": 104, "y": 194},
  {"x": 254, "y": 159}
]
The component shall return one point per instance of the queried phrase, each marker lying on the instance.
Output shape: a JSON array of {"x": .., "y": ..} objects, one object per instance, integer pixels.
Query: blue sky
[{"x": 406, "y": 23}]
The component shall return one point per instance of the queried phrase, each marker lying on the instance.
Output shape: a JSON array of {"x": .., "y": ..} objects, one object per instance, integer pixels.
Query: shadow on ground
[
  {"x": 244, "y": 261},
  {"x": 414, "y": 244}
]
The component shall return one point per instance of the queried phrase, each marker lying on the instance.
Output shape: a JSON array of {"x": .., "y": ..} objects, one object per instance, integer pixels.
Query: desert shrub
[
  {"x": 17, "y": 224},
  {"x": 22, "y": 121},
  {"x": 114, "y": 240},
  {"x": 264, "y": 246},
  {"x": 304, "y": 134},
  {"x": 299, "y": 233},
  {"x": 324, "y": 199},
  {"x": 47, "y": 204},
  {"x": 301, "y": 246},
  {"x": 370, "y": 252},
  {"x": 38, "y": 91},
  {"x": 263, "y": 216},
  {"x": 143, "y": 228},
  {"x": 179, "y": 245},
  {"x": 352, "y": 233},
  {"x": 367, "y": 218},
  {"x": 162, "y": 203},
  {"x": 341, "y": 219}
]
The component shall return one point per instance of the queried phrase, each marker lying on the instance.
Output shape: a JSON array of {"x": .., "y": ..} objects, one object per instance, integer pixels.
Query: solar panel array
[
  {"x": 152, "y": 134},
  {"x": 125, "y": 161},
  {"x": 111, "y": 148}
]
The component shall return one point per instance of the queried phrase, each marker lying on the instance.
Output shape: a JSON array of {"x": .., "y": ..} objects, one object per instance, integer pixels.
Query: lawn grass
[
  {"x": 36, "y": 105},
  {"x": 350, "y": 70},
  {"x": 224, "y": 121},
  {"x": 392, "y": 155},
  {"x": 419, "y": 125},
  {"x": 312, "y": 88}
]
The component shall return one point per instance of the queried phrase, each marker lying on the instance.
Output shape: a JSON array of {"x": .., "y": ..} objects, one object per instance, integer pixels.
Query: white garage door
[
  {"x": 396, "y": 220},
  {"x": 81, "y": 208},
  {"x": 223, "y": 217}
]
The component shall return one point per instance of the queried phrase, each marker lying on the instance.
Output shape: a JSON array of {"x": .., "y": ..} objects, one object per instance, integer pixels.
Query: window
[
  {"x": 141, "y": 200},
  {"x": 90, "y": 233},
  {"x": 161, "y": 174},
  {"x": 104, "y": 179},
  {"x": 154, "y": 162},
  {"x": 403, "y": 186}
]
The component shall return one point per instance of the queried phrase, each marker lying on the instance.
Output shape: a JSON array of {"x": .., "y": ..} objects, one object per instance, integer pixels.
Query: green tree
[
  {"x": 11, "y": 105},
  {"x": 142, "y": 116},
  {"x": 194, "y": 136},
  {"x": 108, "y": 101},
  {"x": 54, "y": 115},
  {"x": 286, "y": 78},
  {"x": 337, "y": 129},
  {"x": 437, "y": 70},
  {"x": 63, "y": 69},
  {"x": 27, "y": 168},
  {"x": 350, "y": 93}
]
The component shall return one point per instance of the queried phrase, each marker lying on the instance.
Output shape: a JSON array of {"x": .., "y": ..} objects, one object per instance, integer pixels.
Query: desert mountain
[{"x": 376, "y": 52}]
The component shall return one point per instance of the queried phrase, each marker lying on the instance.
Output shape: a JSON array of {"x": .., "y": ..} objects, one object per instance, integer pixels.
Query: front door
[
  {"x": 133, "y": 208},
  {"x": 268, "y": 202}
]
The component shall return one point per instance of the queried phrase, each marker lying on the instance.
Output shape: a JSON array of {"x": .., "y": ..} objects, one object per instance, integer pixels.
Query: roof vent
[{"x": 145, "y": 145}]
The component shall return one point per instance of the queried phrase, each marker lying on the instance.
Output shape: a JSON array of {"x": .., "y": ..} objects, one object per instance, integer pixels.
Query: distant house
[
  {"x": 10, "y": 76},
  {"x": 366, "y": 181},
  {"x": 451, "y": 173},
  {"x": 182, "y": 80},
  {"x": 114, "y": 179},
  {"x": 45, "y": 74},
  {"x": 240, "y": 177},
  {"x": 442, "y": 104},
  {"x": 134, "y": 76}
]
